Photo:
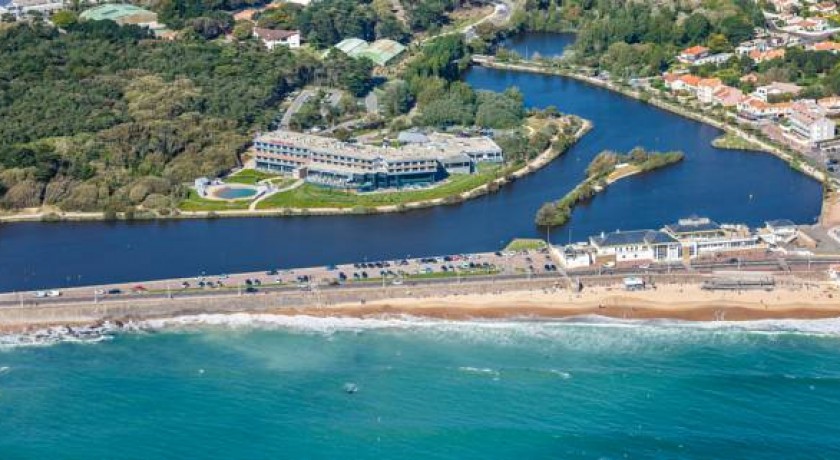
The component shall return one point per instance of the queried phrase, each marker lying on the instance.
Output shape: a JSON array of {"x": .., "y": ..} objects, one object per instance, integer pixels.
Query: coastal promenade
[{"x": 501, "y": 288}]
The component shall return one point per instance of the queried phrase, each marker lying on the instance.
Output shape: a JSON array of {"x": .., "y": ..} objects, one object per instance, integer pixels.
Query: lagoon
[{"x": 728, "y": 186}]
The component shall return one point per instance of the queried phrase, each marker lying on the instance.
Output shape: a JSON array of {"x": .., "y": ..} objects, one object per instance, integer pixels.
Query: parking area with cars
[{"x": 393, "y": 272}]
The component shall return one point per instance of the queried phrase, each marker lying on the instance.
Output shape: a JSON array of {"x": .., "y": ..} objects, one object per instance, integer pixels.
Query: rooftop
[
  {"x": 439, "y": 145},
  {"x": 274, "y": 35},
  {"x": 119, "y": 13},
  {"x": 381, "y": 52},
  {"x": 632, "y": 237}
]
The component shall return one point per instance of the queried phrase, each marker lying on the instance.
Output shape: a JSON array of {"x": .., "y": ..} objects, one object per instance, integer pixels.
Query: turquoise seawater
[{"x": 426, "y": 389}]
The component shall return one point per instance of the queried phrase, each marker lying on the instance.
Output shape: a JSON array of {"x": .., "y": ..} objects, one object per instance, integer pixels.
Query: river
[
  {"x": 729, "y": 186},
  {"x": 539, "y": 44}
]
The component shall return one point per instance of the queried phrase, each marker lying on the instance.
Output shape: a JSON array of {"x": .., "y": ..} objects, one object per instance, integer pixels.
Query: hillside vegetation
[{"x": 103, "y": 117}]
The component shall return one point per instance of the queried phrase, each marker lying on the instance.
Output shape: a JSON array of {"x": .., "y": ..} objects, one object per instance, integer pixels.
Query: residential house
[
  {"x": 824, "y": 8},
  {"x": 747, "y": 47},
  {"x": 691, "y": 55},
  {"x": 272, "y": 38},
  {"x": 776, "y": 90},
  {"x": 685, "y": 82},
  {"x": 716, "y": 59},
  {"x": 706, "y": 89},
  {"x": 832, "y": 47},
  {"x": 727, "y": 96},
  {"x": 752, "y": 108},
  {"x": 830, "y": 104},
  {"x": 761, "y": 56}
]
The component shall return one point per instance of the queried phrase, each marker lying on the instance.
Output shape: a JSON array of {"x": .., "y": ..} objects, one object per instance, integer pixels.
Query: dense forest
[{"x": 104, "y": 117}]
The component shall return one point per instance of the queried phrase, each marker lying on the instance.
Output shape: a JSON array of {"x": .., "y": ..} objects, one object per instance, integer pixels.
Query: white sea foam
[
  {"x": 4, "y": 369},
  {"x": 62, "y": 334},
  {"x": 573, "y": 332},
  {"x": 478, "y": 370}
]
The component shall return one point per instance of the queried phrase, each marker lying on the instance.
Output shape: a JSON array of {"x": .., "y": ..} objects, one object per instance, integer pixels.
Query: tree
[
  {"x": 284, "y": 16},
  {"x": 243, "y": 30},
  {"x": 396, "y": 99},
  {"x": 718, "y": 43},
  {"x": 64, "y": 18},
  {"x": 696, "y": 29}
]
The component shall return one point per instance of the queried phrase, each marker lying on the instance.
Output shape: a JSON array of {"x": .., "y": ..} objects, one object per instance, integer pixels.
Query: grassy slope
[{"x": 312, "y": 196}]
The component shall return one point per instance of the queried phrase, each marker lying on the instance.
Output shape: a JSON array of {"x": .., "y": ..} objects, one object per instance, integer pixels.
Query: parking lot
[{"x": 393, "y": 272}]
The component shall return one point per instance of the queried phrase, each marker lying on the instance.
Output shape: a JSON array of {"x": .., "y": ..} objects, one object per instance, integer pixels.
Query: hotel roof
[
  {"x": 439, "y": 145},
  {"x": 632, "y": 237},
  {"x": 693, "y": 225}
]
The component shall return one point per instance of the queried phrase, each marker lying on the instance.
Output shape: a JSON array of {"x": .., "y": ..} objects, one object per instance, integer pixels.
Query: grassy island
[
  {"x": 606, "y": 168},
  {"x": 734, "y": 142}
]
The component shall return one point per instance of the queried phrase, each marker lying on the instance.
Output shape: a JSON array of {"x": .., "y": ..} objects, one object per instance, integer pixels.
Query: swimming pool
[{"x": 234, "y": 193}]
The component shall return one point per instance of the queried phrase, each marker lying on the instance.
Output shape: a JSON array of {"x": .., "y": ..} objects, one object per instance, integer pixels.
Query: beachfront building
[
  {"x": 332, "y": 163},
  {"x": 779, "y": 231},
  {"x": 703, "y": 238},
  {"x": 272, "y": 38},
  {"x": 574, "y": 256},
  {"x": 635, "y": 247}
]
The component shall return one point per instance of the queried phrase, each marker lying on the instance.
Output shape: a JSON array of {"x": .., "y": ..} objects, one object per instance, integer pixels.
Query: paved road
[
  {"x": 511, "y": 268},
  {"x": 301, "y": 99}
]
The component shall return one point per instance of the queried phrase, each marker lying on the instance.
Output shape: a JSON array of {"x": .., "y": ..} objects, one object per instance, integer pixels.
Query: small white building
[
  {"x": 201, "y": 185},
  {"x": 779, "y": 231},
  {"x": 272, "y": 38},
  {"x": 574, "y": 256}
]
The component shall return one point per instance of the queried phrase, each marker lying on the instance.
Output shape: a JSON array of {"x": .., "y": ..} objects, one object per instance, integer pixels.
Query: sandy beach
[{"x": 684, "y": 302}]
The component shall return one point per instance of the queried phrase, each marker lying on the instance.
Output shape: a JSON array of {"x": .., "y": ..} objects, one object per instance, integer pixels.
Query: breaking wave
[{"x": 568, "y": 329}]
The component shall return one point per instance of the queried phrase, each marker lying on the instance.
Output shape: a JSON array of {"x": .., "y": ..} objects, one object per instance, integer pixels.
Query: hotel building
[{"x": 333, "y": 163}]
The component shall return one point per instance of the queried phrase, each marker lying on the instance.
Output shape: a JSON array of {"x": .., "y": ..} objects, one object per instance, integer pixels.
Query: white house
[
  {"x": 706, "y": 89},
  {"x": 272, "y": 38},
  {"x": 776, "y": 89},
  {"x": 574, "y": 256}
]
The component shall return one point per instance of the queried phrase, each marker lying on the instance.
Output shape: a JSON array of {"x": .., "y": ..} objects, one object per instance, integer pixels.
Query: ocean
[{"x": 249, "y": 387}]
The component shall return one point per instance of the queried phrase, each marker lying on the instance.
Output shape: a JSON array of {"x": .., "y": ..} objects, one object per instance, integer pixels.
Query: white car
[
  {"x": 40, "y": 294},
  {"x": 53, "y": 293}
]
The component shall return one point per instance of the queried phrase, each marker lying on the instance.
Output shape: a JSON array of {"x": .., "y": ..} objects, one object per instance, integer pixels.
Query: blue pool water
[
  {"x": 234, "y": 193},
  {"x": 427, "y": 390}
]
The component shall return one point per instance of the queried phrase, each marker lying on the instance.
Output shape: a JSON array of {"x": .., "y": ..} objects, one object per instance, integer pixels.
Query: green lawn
[
  {"x": 249, "y": 177},
  {"x": 313, "y": 196},
  {"x": 196, "y": 203},
  {"x": 522, "y": 244}
]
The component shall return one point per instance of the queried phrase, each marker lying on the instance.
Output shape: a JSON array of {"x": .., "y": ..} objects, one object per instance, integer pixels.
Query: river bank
[
  {"x": 578, "y": 74},
  {"x": 535, "y": 164}
]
